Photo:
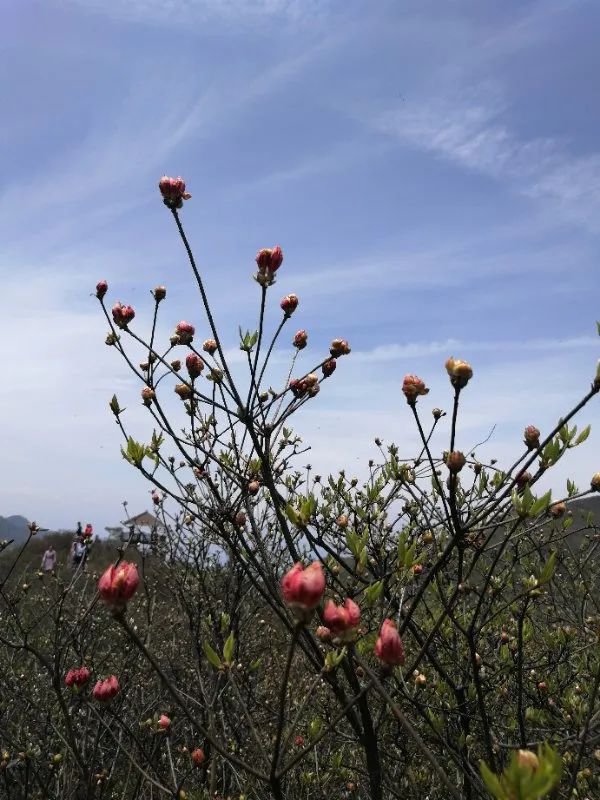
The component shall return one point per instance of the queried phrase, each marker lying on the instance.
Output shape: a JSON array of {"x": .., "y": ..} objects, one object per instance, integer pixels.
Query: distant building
[{"x": 144, "y": 530}]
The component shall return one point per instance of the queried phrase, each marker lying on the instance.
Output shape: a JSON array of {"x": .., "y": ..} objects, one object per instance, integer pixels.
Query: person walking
[
  {"x": 79, "y": 530},
  {"x": 49, "y": 560},
  {"x": 77, "y": 552}
]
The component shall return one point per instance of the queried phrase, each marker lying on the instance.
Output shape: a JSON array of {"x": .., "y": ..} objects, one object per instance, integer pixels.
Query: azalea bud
[
  {"x": 111, "y": 339},
  {"x": 185, "y": 332},
  {"x": 595, "y": 482},
  {"x": 160, "y": 292},
  {"x": 183, "y": 390},
  {"x": 118, "y": 584},
  {"x": 289, "y": 304},
  {"x": 311, "y": 380},
  {"x": 197, "y": 756},
  {"x": 412, "y": 388},
  {"x": 342, "y": 521},
  {"x": 455, "y": 461},
  {"x": 388, "y": 647},
  {"x": 417, "y": 570},
  {"x": 329, "y": 367},
  {"x": 300, "y": 340},
  {"x": 298, "y": 387},
  {"x": 299, "y": 741},
  {"x": 253, "y": 487},
  {"x": 240, "y": 519},
  {"x": 460, "y": 372},
  {"x": 148, "y": 395},
  {"x": 164, "y": 723},
  {"x": 342, "y": 621},
  {"x": 216, "y": 375},
  {"x": 420, "y": 680},
  {"x": 558, "y": 509},
  {"x": 194, "y": 365},
  {"x": 173, "y": 191},
  {"x": 437, "y": 413},
  {"x": 528, "y": 760},
  {"x": 522, "y": 479},
  {"x": 209, "y": 346},
  {"x": 268, "y": 260},
  {"x": 531, "y": 437},
  {"x": 122, "y": 315},
  {"x": 323, "y": 633},
  {"x": 339, "y": 347},
  {"x": 101, "y": 289},
  {"x": 107, "y": 689},
  {"x": 76, "y": 678},
  {"x": 176, "y": 365},
  {"x": 303, "y": 589}
]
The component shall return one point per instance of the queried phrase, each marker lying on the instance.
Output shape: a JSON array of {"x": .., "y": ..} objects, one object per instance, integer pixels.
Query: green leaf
[
  {"x": 583, "y": 435},
  {"x": 492, "y": 783},
  {"x": 373, "y": 593},
  {"x": 540, "y": 505},
  {"x": 229, "y": 648},
  {"x": 114, "y": 406},
  {"x": 212, "y": 656},
  {"x": 548, "y": 569},
  {"x": 291, "y": 514}
]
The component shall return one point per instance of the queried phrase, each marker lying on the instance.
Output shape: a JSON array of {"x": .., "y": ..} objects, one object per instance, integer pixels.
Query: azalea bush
[{"x": 430, "y": 631}]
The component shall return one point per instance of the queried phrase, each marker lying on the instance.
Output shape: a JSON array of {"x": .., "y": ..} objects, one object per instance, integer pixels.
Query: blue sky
[{"x": 431, "y": 169}]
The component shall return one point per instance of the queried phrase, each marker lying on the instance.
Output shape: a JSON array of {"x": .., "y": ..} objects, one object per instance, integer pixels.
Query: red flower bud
[
  {"x": 417, "y": 569},
  {"x": 413, "y": 387},
  {"x": 342, "y": 621},
  {"x": 122, "y": 315},
  {"x": 298, "y": 387},
  {"x": 299, "y": 741},
  {"x": 388, "y": 647},
  {"x": 118, "y": 584},
  {"x": 107, "y": 689},
  {"x": 101, "y": 289},
  {"x": 160, "y": 292},
  {"x": 329, "y": 367},
  {"x": 455, "y": 461},
  {"x": 194, "y": 365},
  {"x": 173, "y": 191},
  {"x": 323, "y": 633},
  {"x": 531, "y": 436},
  {"x": 210, "y": 346},
  {"x": 339, "y": 347},
  {"x": 240, "y": 519},
  {"x": 77, "y": 677},
  {"x": 300, "y": 340},
  {"x": 522, "y": 479},
  {"x": 185, "y": 332},
  {"x": 268, "y": 260},
  {"x": 197, "y": 756},
  {"x": 302, "y": 588},
  {"x": 289, "y": 304}
]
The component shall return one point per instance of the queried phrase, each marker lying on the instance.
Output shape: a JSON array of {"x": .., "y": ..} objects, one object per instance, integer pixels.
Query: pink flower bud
[
  {"x": 118, "y": 584},
  {"x": 122, "y": 315},
  {"x": 300, "y": 340},
  {"x": 329, "y": 367},
  {"x": 298, "y": 387},
  {"x": 76, "y": 678},
  {"x": 522, "y": 479},
  {"x": 107, "y": 689},
  {"x": 342, "y": 621},
  {"x": 240, "y": 519},
  {"x": 164, "y": 723},
  {"x": 253, "y": 487},
  {"x": 173, "y": 191},
  {"x": 159, "y": 293},
  {"x": 289, "y": 304},
  {"x": 269, "y": 260},
  {"x": 101, "y": 289},
  {"x": 194, "y": 365},
  {"x": 197, "y": 756},
  {"x": 148, "y": 395},
  {"x": 388, "y": 647},
  {"x": 323, "y": 633},
  {"x": 531, "y": 436},
  {"x": 209, "y": 346},
  {"x": 303, "y": 589},
  {"x": 455, "y": 461},
  {"x": 185, "y": 332},
  {"x": 339, "y": 347},
  {"x": 413, "y": 387},
  {"x": 558, "y": 509},
  {"x": 299, "y": 741}
]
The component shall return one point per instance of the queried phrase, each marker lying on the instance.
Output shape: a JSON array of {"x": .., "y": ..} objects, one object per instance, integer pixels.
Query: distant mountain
[{"x": 14, "y": 527}]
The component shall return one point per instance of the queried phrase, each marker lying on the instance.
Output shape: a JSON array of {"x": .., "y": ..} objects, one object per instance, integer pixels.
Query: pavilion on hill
[{"x": 145, "y": 530}]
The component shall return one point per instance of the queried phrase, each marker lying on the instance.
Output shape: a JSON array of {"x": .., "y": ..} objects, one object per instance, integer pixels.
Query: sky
[{"x": 431, "y": 169}]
